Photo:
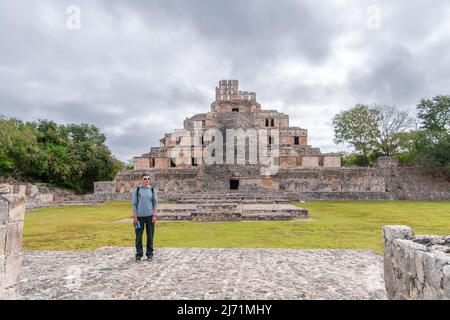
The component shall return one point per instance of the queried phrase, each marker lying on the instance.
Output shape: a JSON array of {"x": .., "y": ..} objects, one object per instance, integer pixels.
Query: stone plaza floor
[{"x": 177, "y": 273}]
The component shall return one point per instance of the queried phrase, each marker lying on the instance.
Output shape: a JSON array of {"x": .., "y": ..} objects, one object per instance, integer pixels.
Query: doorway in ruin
[{"x": 234, "y": 184}]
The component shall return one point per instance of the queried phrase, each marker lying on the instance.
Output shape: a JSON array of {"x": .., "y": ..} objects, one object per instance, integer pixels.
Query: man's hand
[
  {"x": 154, "y": 218},
  {"x": 135, "y": 219}
]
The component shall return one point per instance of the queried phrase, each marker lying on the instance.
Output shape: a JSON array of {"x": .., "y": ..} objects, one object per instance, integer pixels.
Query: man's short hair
[{"x": 145, "y": 175}]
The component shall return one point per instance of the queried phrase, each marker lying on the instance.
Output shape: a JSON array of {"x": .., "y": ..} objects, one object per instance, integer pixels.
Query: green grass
[{"x": 333, "y": 224}]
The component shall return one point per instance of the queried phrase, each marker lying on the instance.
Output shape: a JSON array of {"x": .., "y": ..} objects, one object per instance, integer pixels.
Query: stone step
[
  {"x": 233, "y": 198},
  {"x": 247, "y": 201},
  {"x": 216, "y": 216},
  {"x": 230, "y": 212}
]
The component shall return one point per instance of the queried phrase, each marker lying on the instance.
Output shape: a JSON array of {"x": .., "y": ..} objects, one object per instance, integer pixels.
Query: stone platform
[
  {"x": 242, "y": 197},
  {"x": 177, "y": 273},
  {"x": 230, "y": 212},
  {"x": 232, "y": 206}
]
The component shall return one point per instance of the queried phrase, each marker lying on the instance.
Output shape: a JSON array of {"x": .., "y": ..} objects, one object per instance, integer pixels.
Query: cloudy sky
[{"x": 137, "y": 69}]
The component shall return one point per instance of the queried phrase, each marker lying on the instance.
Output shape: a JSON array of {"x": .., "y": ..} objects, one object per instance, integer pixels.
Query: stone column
[{"x": 12, "y": 213}]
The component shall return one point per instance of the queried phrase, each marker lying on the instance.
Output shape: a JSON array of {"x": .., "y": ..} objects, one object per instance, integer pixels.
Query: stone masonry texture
[
  {"x": 199, "y": 273},
  {"x": 416, "y": 267},
  {"x": 12, "y": 212}
]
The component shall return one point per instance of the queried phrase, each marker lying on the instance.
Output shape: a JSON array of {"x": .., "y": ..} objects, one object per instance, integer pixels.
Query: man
[{"x": 144, "y": 202}]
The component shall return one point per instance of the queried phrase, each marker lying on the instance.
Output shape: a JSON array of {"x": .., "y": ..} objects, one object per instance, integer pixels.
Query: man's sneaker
[
  {"x": 138, "y": 259},
  {"x": 149, "y": 258}
]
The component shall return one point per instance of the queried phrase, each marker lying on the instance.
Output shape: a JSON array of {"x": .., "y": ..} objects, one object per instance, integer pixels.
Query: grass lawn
[{"x": 333, "y": 224}]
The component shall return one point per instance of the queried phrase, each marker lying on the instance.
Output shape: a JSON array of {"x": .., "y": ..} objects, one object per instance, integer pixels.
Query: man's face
[{"x": 145, "y": 181}]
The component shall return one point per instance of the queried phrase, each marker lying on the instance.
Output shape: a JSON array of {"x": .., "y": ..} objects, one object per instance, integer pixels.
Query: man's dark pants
[{"x": 145, "y": 222}]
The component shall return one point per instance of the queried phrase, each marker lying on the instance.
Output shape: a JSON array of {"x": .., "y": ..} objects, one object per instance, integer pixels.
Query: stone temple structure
[
  {"x": 240, "y": 152},
  {"x": 234, "y": 109}
]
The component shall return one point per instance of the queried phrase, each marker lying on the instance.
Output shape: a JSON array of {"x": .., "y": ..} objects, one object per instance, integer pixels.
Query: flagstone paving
[{"x": 177, "y": 273}]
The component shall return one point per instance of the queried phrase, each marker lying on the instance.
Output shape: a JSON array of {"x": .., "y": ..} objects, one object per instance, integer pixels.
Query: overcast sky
[{"x": 137, "y": 69}]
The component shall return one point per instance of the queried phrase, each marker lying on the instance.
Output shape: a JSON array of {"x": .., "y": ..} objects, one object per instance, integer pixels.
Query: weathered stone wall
[
  {"x": 104, "y": 187},
  {"x": 331, "y": 180},
  {"x": 310, "y": 161},
  {"x": 381, "y": 182},
  {"x": 12, "y": 213},
  {"x": 141, "y": 163},
  {"x": 416, "y": 267},
  {"x": 332, "y": 161},
  {"x": 41, "y": 195},
  {"x": 38, "y": 194},
  {"x": 164, "y": 180}
]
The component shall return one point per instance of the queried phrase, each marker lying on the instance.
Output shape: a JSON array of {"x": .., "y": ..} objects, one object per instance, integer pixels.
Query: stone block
[
  {"x": 3, "y": 229},
  {"x": 45, "y": 197},
  {"x": 419, "y": 260},
  {"x": 332, "y": 161},
  {"x": 2, "y": 266},
  {"x": 404, "y": 255},
  {"x": 310, "y": 161},
  {"x": 430, "y": 240},
  {"x": 389, "y": 278},
  {"x": 14, "y": 238},
  {"x": 4, "y": 207},
  {"x": 431, "y": 293},
  {"x": 32, "y": 191},
  {"x": 377, "y": 185},
  {"x": 13, "y": 266},
  {"x": 2, "y": 276},
  {"x": 5, "y": 188},
  {"x": 405, "y": 286},
  {"x": 397, "y": 232},
  {"x": 16, "y": 207},
  {"x": 20, "y": 189},
  {"x": 446, "y": 281},
  {"x": 433, "y": 266},
  {"x": 387, "y": 162},
  {"x": 417, "y": 290}
]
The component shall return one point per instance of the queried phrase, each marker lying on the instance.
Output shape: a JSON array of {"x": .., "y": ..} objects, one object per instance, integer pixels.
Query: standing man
[{"x": 144, "y": 202}]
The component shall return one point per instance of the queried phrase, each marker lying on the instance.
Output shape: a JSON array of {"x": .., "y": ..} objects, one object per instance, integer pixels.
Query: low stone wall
[
  {"x": 12, "y": 212},
  {"x": 416, "y": 267},
  {"x": 385, "y": 181},
  {"x": 39, "y": 194}
]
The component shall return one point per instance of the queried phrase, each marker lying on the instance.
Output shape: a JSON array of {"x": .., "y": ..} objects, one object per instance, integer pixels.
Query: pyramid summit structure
[{"x": 238, "y": 111}]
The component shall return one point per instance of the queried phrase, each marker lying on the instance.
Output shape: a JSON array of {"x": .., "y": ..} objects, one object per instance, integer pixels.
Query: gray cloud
[{"x": 137, "y": 69}]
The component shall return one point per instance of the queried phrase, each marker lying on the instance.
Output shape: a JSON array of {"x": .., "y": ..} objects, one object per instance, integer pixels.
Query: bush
[{"x": 72, "y": 156}]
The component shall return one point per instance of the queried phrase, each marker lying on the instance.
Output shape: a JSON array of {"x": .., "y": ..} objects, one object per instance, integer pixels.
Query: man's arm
[
  {"x": 134, "y": 206},
  {"x": 155, "y": 204}
]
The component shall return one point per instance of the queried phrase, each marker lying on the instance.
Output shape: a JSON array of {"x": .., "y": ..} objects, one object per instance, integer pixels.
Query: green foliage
[
  {"x": 384, "y": 131},
  {"x": 373, "y": 131},
  {"x": 358, "y": 127},
  {"x": 432, "y": 143},
  {"x": 354, "y": 159},
  {"x": 129, "y": 165},
  {"x": 73, "y": 156},
  {"x": 435, "y": 114}
]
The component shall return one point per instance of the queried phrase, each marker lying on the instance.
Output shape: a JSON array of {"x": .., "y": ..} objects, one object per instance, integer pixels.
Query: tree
[
  {"x": 373, "y": 131},
  {"x": 434, "y": 114},
  {"x": 358, "y": 127},
  {"x": 432, "y": 145},
  {"x": 73, "y": 156},
  {"x": 392, "y": 125},
  {"x": 18, "y": 147}
]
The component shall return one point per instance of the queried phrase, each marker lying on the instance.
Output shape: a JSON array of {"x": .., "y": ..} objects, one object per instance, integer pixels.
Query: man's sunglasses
[{"x": 146, "y": 178}]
